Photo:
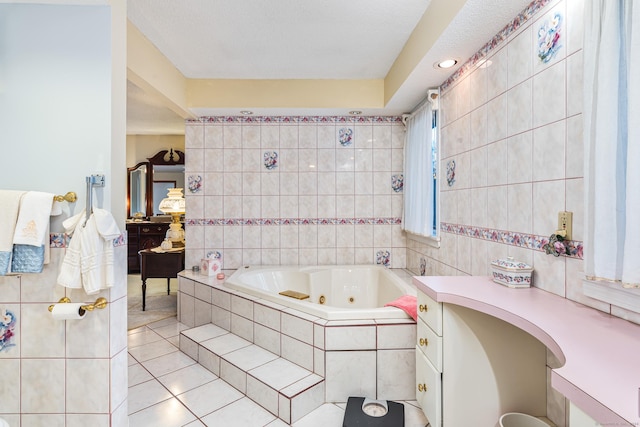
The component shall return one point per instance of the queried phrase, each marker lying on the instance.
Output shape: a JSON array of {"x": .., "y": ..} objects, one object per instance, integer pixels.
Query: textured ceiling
[
  {"x": 301, "y": 39},
  {"x": 278, "y": 39}
]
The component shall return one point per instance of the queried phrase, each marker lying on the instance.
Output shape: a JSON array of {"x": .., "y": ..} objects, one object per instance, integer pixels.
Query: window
[{"x": 420, "y": 214}]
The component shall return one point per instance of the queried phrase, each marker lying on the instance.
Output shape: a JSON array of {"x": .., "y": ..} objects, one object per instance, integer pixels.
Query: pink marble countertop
[{"x": 599, "y": 354}]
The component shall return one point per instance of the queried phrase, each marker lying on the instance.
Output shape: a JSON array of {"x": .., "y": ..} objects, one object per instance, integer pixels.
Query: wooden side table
[{"x": 155, "y": 265}]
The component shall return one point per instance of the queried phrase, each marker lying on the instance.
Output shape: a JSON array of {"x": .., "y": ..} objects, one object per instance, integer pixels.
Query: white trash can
[{"x": 515, "y": 419}]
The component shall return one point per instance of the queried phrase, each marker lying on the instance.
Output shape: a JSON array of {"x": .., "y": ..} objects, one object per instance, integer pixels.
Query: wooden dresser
[{"x": 143, "y": 235}]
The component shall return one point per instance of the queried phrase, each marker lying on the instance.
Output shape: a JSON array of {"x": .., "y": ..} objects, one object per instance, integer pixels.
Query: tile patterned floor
[{"x": 169, "y": 389}]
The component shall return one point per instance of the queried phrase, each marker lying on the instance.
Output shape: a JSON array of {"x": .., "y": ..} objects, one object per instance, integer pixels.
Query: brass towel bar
[{"x": 70, "y": 197}]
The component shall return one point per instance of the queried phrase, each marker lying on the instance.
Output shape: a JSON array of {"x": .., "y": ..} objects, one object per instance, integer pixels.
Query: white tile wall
[
  {"x": 316, "y": 180},
  {"x": 396, "y": 375},
  {"x": 526, "y": 115},
  {"x": 524, "y": 128},
  {"x": 56, "y": 366},
  {"x": 350, "y": 373}
]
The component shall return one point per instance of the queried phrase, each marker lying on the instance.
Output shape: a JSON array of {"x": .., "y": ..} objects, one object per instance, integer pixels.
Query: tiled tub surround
[
  {"x": 331, "y": 360},
  {"x": 64, "y": 373},
  {"x": 295, "y": 190}
]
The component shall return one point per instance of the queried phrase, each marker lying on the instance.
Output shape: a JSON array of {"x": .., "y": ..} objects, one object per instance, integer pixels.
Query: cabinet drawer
[
  {"x": 430, "y": 344},
  {"x": 430, "y": 312},
  {"x": 428, "y": 389},
  {"x": 153, "y": 229}
]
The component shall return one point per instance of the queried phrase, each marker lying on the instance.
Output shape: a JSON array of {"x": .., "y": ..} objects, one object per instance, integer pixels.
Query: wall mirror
[{"x": 147, "y": 182}]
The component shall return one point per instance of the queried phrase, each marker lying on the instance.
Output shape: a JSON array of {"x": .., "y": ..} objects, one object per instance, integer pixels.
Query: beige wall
[{"x": 141, "y": 147}]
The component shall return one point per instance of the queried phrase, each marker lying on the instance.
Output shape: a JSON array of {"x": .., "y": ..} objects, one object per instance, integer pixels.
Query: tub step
[{"x": 278, "y": 385}]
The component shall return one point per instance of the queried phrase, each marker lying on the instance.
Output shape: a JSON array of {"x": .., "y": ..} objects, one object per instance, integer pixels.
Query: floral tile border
[
  {"x": 295, "y": 221},
  {"x": 522, "y": 240},
  {"x": 296, "y": 119},
  {"x": 485, "y": 50}
]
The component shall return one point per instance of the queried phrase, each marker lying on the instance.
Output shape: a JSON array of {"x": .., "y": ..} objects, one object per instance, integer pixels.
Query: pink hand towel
[{"x": 408, "y": 303}]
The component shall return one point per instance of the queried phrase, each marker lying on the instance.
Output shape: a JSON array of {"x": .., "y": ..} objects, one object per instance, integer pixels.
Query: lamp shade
[{"x": 174, "y": 203}]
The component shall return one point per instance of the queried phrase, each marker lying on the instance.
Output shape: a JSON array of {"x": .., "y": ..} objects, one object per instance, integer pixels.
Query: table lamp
[{"x": 174, "y": 204}]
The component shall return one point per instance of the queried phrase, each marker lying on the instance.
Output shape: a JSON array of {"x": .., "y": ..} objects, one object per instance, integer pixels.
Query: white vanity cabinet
[
  {"x": 429, "y": 359},
  {"x": 493, "y": 340},
  {"x": 471, "y": 367}
]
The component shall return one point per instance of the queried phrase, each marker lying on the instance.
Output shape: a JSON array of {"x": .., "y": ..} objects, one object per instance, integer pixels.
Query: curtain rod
[{"x": 432, "y": 97}]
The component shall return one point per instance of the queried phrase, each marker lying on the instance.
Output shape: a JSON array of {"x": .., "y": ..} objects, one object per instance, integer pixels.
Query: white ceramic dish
[{"x": 514, "y": 274}]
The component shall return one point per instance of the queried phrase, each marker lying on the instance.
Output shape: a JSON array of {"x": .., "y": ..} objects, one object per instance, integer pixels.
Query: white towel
[
  {"x": 33, "y": 219},
  {"x": 89, "y": 259},
  {"x": 10, "y": 202}
]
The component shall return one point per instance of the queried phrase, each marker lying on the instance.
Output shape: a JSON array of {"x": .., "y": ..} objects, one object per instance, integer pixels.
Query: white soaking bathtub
[{"x": 345, "y": 292}]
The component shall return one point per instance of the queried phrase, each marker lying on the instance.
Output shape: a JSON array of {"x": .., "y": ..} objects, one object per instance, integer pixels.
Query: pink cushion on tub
[{"x": 408, "y": 303}]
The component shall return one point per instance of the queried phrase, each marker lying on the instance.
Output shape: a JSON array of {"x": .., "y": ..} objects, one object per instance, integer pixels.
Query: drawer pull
[
  {"x": 145, "y": 230},
  {"x": 423, "y": 308},
  {"x": 422, "y": 388},
  {"x": 424, "y": 342}
]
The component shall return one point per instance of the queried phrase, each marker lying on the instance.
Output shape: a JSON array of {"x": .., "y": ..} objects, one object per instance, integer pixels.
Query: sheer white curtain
[
  {"x": 612, "y": 140},
  {"x": 418, "y": 173}
]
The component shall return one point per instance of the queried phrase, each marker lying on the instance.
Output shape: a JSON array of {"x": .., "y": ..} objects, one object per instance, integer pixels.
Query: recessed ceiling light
[
  {"x": 447, "y": 63},
  {"x": 355, "y": 112},
  {"x": 246, "y": 112}
]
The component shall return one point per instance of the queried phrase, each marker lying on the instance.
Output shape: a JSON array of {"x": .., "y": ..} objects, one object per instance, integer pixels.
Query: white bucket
[{"x": 515, "y": 419}]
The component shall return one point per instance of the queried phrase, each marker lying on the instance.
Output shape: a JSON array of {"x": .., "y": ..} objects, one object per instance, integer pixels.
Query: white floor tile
[
  {"x": 186, "y": 379},
  {"x": 175, "y": 340},
  {"x": 146, "y": 394},
  {"x": 170, "y": 413},
  {"x": 225, "y": 344},
  {"x": 136, "y": 330},
  {"x": 164, "y": 322},
  {"x": 145, "y": 336},
  {"x": 279, "y": 373},
  {"x": 243, "y": 412},
  {"x": 249, "y": 357},
  {"x": 304, "y": 384},
  {"x": 131, "y": 360},
  {"x": 204, "y": 332},
  {"x": 152, "y": 350},
  {"x": 138, "y": 374},
  {"x": 209, "y": 397},
  {"x": 278, "y": 423},
  {"x": 413, "y": 416},
  {"x": 326, "y": 415},
  {"x": 168, "y": 363},
  {"x": 170, "y": 330}
]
